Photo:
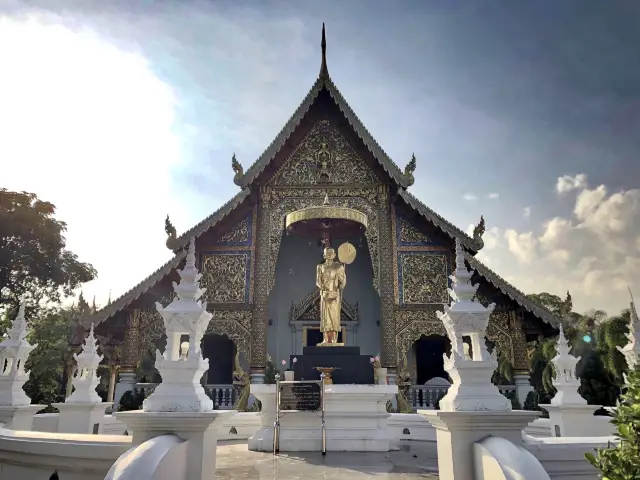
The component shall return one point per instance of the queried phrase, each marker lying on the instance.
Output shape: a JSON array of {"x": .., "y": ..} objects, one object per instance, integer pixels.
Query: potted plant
[
  {"x": 379, "y": 373},
  {"x": 288, "y": 373}
]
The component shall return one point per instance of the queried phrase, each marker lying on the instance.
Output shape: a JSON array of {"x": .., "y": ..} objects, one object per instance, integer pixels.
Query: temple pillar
[
  {"x": 388, "y": 350},
  {"x": 521, "y": 367},
  {"x": 131, "y": 347},
  {"x": 113, "y": 372},
  {"x": 262, "y": 285}
]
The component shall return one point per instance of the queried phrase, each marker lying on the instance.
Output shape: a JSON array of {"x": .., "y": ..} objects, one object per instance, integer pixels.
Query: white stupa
[
  {"x": 181, "y": 371},
  {"x": 86, "y": 378},
  {"x": 471, "y": 388},
  {"x": 631, "y": 350},
  {"x": 14, "y": 351},
  {"x": 565, "y": 379}
]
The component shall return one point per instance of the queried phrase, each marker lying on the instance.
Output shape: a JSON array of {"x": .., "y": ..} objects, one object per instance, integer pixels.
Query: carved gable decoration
[
  {"x": 324, "y": 157},
  {"x": 309, "y": 309},
  {"x": 226, "y": 276},
  {"x": 423, "y": 278},
  {"x": 241, "y": 234}
]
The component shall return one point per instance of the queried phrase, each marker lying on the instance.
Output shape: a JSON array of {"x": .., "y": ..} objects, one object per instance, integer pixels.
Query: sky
[{"x": 528, "y": 113}]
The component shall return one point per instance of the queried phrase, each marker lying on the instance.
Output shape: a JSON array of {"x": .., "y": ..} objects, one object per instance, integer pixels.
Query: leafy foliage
[
  {"x": 131, "y": 400},
  {"x": 270, "y": 373},
  {"x": 51, "y": 331},
  {"x": 595, "y": 339},
  {"x": 622, "y": 462},
  {"x": 33, "y": 258}
]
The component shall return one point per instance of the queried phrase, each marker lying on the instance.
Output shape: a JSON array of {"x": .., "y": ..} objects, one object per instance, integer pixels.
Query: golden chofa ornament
[{"x": 326, "y": 218}]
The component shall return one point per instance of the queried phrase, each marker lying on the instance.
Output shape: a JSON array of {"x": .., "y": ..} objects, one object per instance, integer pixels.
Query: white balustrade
[
  {"x": 426, "y": 397},
  {"x": 223, "y": 396}
]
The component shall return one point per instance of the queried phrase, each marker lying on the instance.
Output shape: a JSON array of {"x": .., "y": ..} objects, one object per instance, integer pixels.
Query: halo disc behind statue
[{"x": 346, "y": 253}]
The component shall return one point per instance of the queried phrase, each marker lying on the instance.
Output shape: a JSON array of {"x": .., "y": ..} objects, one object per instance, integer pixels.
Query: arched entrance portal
[
  {"x": 220, "y": 351},
  {"x": 428, "y": 354}
]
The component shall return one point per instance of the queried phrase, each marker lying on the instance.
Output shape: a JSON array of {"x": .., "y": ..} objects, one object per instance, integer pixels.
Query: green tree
[
  {"x": 33, "y": 257},
  {"x": 622, "y": 462},
  {"x": 51, "y": 331},
  {"x": 551, "y": 302}
]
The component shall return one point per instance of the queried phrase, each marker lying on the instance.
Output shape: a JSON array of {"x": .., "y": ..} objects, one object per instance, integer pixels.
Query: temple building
[{"x": 261, "y": 280}]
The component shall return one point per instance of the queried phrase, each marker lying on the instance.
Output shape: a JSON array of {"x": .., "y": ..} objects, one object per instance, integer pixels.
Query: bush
[
  {"x": 513, "y": 397},
  {"x": 131, "y": 401},
  {"x": 622, "y": 462},
  {"x": 270, "y": 373},
  {"x": 532, "y": 402}
]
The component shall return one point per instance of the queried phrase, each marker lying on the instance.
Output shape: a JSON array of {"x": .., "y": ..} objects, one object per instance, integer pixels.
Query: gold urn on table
[{"x": 327, "y": 374}]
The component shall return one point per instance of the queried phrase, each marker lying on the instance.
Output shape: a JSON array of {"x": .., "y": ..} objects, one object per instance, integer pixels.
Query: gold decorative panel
[
  {"x": 226, "y": 277},
  {"x": 413, "y": 324},
  {"x": 423, "y": 278},
  {"x": 235, "y": 325},
  {"x": 240, "y": 234},
  {"x": 324, "y": 157},
  {"x": 410, "y": 235}
]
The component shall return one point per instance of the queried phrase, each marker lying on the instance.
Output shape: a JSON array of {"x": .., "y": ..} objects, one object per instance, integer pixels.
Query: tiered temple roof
[{"x": 248, "y": 181}]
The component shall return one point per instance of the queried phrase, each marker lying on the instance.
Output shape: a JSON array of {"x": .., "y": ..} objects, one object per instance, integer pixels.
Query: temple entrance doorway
[
  {"x": 220, "y": 350},
  {"x": 428, "y": 354}
]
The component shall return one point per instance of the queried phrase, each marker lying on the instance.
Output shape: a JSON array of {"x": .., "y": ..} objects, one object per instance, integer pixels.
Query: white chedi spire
[
  {"x": 14, "y": 351},
  {"x": 86, "y": 379},
  {"x": 471, "y": 388},
  {"x": 631, "y": 350},
  {"x": 565, "y": 379},
  {"x": 180, "y": 390}
]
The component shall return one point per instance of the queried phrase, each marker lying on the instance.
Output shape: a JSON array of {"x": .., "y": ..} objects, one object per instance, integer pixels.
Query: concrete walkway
[{"x": 415, "y": 460}]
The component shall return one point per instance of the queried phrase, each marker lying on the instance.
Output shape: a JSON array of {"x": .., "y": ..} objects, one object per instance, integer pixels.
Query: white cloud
[
  {"x": 522, "y": 245},
  {"x": 567, "y": 183},
  {"x": 493, "y": 196},
  {"x": 90, "y": 128},
  {"x": 469, "y": 197},
  {"x": 526, "y": 212},
  {"x": 592, "y": 253}
]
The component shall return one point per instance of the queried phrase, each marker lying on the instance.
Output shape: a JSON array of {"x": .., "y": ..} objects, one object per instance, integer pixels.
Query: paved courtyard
[{"x": 414, "y": 461}]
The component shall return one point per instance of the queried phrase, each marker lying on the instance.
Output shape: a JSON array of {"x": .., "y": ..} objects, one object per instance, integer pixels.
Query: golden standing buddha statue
[{"x": 331, "y": 279}]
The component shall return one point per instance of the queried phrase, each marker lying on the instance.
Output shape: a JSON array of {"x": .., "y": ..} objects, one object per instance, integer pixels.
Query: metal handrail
[{"x": 276, "y": 423}]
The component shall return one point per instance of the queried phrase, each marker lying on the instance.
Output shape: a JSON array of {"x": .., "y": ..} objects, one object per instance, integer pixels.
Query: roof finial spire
[{"x": 324, "y": 71}]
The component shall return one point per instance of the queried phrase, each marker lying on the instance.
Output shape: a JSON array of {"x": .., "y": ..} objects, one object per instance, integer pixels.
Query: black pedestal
[{"x": 352, "y": 367}]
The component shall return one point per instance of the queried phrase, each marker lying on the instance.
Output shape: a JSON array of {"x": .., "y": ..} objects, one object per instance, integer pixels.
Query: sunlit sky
[{"x": 120, "y": 112}]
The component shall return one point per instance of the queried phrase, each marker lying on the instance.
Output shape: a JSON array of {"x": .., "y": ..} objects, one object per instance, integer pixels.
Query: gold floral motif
[
  {"x": 261, "y": 284},
  {"x": 238, "y": 234},
  {"x": 224, "y": 275},
  {"x": 235, "y": 325},
  {"x": 415, "y": 324},
  {"x": 131, "y": 347},
  {"x": 424, "y": 278},
  {"x": 520, "y": 355},
  {"x": 324, "y": 156},
  {"x": 410, "y": 234},
  {"x": 291, "y": 204},
  {"x": 386, "y": 280},
  {"x": 501, "y": 337}
]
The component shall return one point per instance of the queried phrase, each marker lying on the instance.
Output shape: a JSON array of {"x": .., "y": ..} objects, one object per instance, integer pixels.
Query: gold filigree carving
[
  {"x": 262, "y": 282},
  {"x": 290, "y": 204},
  {"x": 413, "y": 324},
  {"x": 235, "y": 325},
  {"x": 224, "y": 275},
  {"x": 324, "y": 156},
  {"x": 409, "y": 234},
  {"x": 238, "y": 234},
  {"x": 387, "y": 287},
  {"x": 424, "y": 278}
]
